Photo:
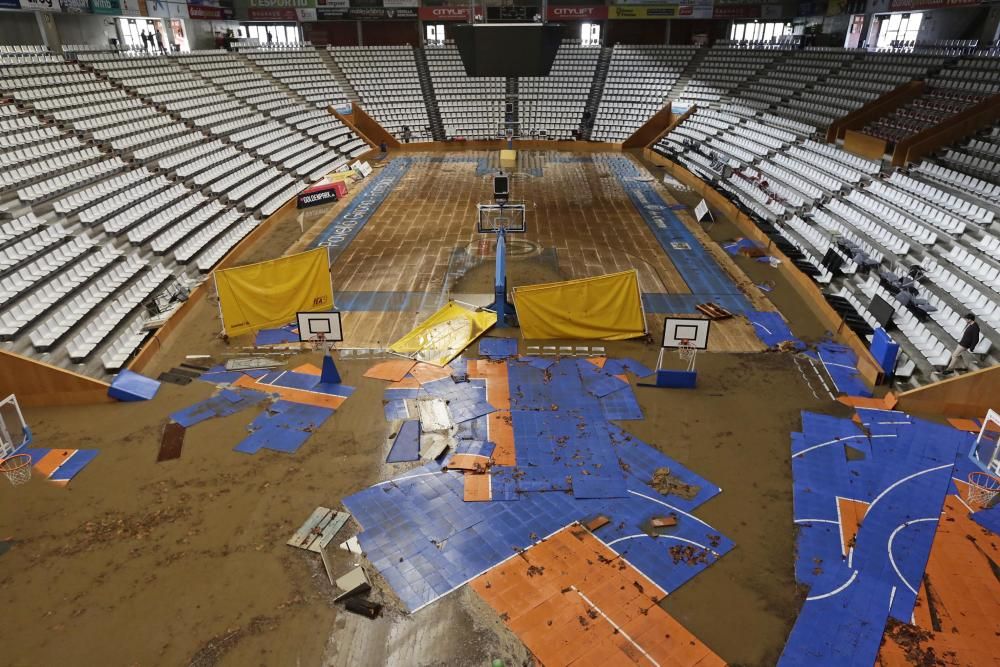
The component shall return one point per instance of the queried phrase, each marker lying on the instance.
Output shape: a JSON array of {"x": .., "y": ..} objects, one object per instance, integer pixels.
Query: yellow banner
[
  {"x": 442, "y": 337},
  {"x": 268, "y": 294},
  {"x": 602, "y": 308}
]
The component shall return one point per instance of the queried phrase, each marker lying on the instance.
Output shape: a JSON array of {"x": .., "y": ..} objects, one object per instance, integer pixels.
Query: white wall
[
  {"x": 84, "y": 28},
  {"x": 19, "y": 28}
]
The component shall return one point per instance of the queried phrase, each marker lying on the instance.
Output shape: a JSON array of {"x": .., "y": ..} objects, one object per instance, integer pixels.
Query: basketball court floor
[{"x": 420, "y": 247}]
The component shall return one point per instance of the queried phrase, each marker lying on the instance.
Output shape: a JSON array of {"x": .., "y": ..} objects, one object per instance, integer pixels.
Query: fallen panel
[{"x": 319, "y": 529}]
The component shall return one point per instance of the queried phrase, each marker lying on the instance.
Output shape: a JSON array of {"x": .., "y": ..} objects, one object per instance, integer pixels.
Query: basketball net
[
  {"x": 983, "y": 488},
  {"x": 687, "y": 352}
]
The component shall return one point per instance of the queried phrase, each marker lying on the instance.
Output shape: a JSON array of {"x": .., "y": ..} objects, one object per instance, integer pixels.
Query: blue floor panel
[
  {"x": 406, "y": 446},
  {"x": 572, "y": 463},
  {"x": 498, "y": 348}
]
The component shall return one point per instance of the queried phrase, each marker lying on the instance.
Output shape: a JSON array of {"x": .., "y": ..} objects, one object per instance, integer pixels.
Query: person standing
[
  {"x": 270, "y": 38},
  {"x": 407, "y": 135},
  {"x": 145, "y": 40},
  {"x": 968, "y": 342},
  {"x": 159, "y": 41}
]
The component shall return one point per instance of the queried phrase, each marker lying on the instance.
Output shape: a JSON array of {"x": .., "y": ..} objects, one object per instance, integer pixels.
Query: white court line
[
  {"x": 617, "y": 628},
  {"x": 902, "y": 481},
  {"x": 664, "y": 537},
  {"x": 959, "y": 495},
  {"x": 762, "y": 327},
  {"x": 892, "y": 561},
  {"x": 280, "y": 375},
  {"x": 400, "y": 479},
  {"x": 798, "y": 366},
  {"x": 817, "y": 521},
  {"x": 822, "y": 380},
  {"x": 676, "y": 509},
  {"x": 850, "y": 558},
  {"x": 828, "y": 443},
  {"x": 513, "y": 555},
  {"x": 854, "y": 575},
  {"x": 892, "y": 595}
]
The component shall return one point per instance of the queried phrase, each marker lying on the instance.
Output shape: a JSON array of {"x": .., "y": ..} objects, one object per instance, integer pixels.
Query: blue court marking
[
  {"x": 735, "y": 247},
  {"x": 842, "y": 365},
  {"x": 904, "y": 476},
  {"x": 349, "y": 222},
  {"x": 772, "y": 329},
  {"x": 703, "y": 276},
  {"x": 284, "y": 427},
  {"x": 599, "y": 382},
  {"x": 285, "y": 334},
  {"x": 72, "y": 466},
  {"x": 988, "y": 519},
  {"x": 220, "y": 405},
  {"x": 293, "y": 380},
  {"x": 478, "y": 447},
  {"x": 538, "y": 362},
  {"x": 406, "y": 446},
  {"x": 498, "y": 348},
  {"x": 219, "y": 375},
  {"x": 382, "y": 302},
  {"x": 425, "y": 540}
]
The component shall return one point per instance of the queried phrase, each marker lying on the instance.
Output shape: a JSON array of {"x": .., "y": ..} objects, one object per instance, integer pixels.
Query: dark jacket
[{"x": 970, "y": 337}]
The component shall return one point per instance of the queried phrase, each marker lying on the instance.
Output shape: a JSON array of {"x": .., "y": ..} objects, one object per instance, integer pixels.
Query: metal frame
[
  {"x": 483, "y": 228},
  {"x": 991, "y": 423},
  {"x": 7, "y": 444},
  {"x": 675, "y": 322},
  {"x": 308, "y": 335}
]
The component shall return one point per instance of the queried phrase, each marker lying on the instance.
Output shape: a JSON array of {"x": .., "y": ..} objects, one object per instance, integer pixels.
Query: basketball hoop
[
  {"x": 17, "y": 468},
  {"x": 687, "y": 352},
  {"x": 983, "y": 488}
]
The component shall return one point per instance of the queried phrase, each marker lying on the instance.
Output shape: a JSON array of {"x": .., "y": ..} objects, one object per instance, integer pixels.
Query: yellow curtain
[
  {"x": 269, "y": 294},
  {"x": 442, "y": 336},
  {"x": 603, "y": 308}
]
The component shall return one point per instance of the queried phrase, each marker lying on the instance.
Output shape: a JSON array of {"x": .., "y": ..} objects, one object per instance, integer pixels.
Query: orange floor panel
[
  {"x": 47, "y": 464},
  {"x": 308, "y": 369},
  {"x": 501, "y": 426},
  {"x": 425, "y": 373},
  {"x": 958, "y": 605},
  {"x": 598, "y": 361},
  {"x": 964, "y": 424},
  {"x": 477, "y": 488},
  {"x": 851, "y": 513},
  {"x": 467, "y": 462},
  {"x": 295, "y": 395},
  {"x": 574, "y": 601},
  {"x": 406, "y": 383},
  {"x": 393, "y": 371},
  {"x": 887, "y": 402}
]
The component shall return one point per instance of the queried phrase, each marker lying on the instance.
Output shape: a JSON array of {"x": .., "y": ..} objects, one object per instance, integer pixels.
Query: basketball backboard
[
  {"x": 316, "y": 327},
  {"x": 494, "y": 217},
  {"x": 694, "y": 330}
]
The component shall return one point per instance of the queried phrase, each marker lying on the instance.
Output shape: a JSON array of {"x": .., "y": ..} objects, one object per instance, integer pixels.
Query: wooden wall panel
[
  {"x": 38, "y": 384},
  {"x": 864, "y": 145},
  {"x": 857, "y": 119},
  {"x": 969, "y": 395}
]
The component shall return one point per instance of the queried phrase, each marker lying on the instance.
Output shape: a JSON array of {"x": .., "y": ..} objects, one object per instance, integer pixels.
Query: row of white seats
[{"x": 14, "y": 284}]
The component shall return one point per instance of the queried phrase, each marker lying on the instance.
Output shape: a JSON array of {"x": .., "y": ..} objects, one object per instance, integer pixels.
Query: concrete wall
[
  {"x": 19, "y": 28},
  {"x": 956, "y": 23},
  {"x": 84, "y": 28}
]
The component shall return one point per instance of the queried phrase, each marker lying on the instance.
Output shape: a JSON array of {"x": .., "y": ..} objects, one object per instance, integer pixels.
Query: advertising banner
[
  {"x": 736, "y": 12},
  {"x": 9, "y": 4},
  {"x": 580, "y": 13},
  {"x": 105, "y": 7},
  {"x": 686, "y": 9},
  {"x": 157, "y": 8},
  {"x": 73, "y": 6},
  {"x": 392, "y": 4},
  {"x": 41, "y": 5},
  {"x": 917, "y": 5},
  {"x": 438, "y": 14},
  {"x": 209, "y": 13}
]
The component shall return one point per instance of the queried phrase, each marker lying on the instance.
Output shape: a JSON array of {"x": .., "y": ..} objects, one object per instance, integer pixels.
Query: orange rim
[
  {"x": 15, "y": 463},
  {"x": 984, "y": 481}
]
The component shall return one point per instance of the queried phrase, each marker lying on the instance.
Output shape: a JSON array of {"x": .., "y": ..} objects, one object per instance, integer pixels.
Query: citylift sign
[{"x": 587, "y": 13}]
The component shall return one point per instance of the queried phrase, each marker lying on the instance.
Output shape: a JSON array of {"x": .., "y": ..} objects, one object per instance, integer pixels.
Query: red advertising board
[
  {"x": 915, "y": 5},
  {"x": 736, "y": 12},
  {"x": 578, "y": 13},
  {"x": 446, "y": 13},
  {"x": 271, "y": 13}
]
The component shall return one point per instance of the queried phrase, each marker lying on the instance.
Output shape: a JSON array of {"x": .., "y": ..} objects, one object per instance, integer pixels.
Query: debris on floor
[
  {"x": 319, "y": 529},
  {"x": 171, "y": 442},
  {"x": 353, "y": 583}
]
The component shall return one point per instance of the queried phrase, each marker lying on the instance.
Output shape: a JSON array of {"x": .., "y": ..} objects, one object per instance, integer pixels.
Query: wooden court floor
[{"x": 421, "y": 245}]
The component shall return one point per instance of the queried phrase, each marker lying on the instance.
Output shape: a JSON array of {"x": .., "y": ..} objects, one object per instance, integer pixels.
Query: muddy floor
[{"x": 185, "y": 562}]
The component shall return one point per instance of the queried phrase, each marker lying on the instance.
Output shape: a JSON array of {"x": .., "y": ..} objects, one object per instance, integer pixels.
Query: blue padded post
[
  {"x": 329, "y": 374},
  {"x": 676, "y": 379},
  {"x": 503, "y": 308}
]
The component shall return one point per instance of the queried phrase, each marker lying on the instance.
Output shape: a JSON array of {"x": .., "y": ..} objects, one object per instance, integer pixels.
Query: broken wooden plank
[
  {"x": 172, "y": 442},
  {"x": 319, "y": 529}
]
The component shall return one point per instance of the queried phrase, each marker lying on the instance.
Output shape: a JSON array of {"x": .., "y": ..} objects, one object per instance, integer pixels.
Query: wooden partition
[
  {"x": 460, "y": 145},
  {"x": 969, "y": 395},
  {"x": 947, "y": 132},
  {"x": 865, "y": 145},
  {"x": 365, "y": 126},
  {"x": 36, "y": 383},
  {"x": 868, "y": 368},
  {"x": 858, "y": 118},
  {"x": 654, "y": 128}
]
